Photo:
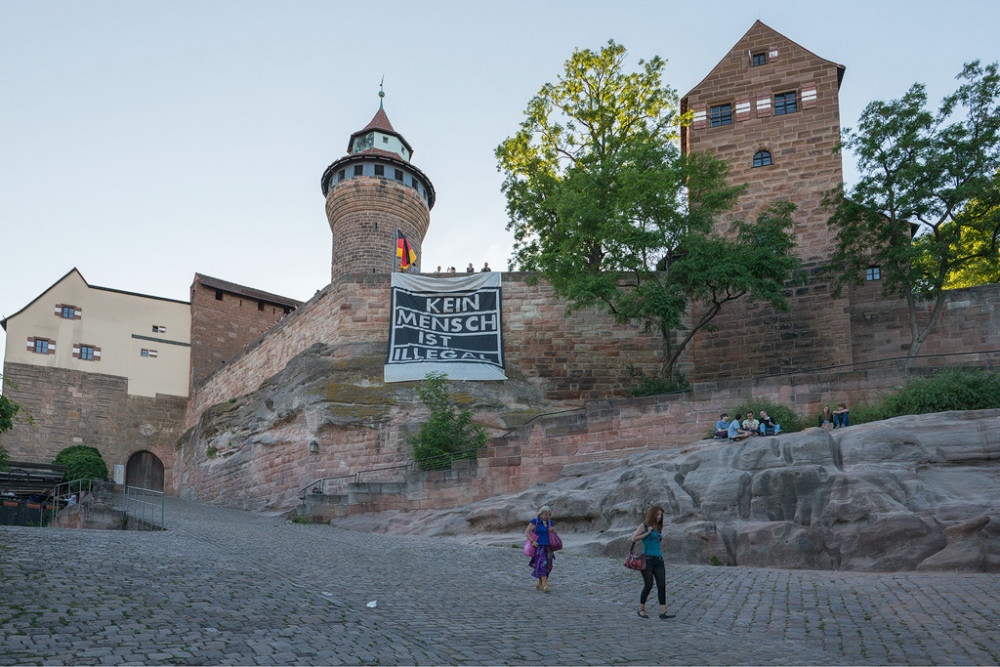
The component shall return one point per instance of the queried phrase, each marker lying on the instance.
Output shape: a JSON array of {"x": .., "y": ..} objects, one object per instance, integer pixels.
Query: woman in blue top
[
  {"x": 538, "y": 533},
  {"x": 651, "y": 532}
]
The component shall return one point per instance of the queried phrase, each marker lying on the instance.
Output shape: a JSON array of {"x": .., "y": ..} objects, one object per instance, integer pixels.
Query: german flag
[{"x": 404, "y": 252}]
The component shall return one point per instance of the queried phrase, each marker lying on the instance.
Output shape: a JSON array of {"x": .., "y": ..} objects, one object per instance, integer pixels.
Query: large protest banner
[{"x": 445, "y": 325}]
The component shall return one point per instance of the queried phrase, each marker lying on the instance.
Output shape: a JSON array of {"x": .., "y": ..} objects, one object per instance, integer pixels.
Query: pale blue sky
[{"x": 142, "y": 142}]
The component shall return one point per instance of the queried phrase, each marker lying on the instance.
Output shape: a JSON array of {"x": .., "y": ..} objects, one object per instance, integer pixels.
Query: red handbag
[{"x": 634, "y": 561}]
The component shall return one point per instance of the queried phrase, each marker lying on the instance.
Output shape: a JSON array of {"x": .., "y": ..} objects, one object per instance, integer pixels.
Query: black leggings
[{"x": 654, "y": 569}]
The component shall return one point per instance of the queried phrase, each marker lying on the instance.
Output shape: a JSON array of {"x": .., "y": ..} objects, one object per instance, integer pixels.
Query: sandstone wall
[
  {"x": 969, "y": 325},
  {"x": 222, "y": 324},
  {"x": 117, "y": 424},
  {"x": 573, "y": 359}
]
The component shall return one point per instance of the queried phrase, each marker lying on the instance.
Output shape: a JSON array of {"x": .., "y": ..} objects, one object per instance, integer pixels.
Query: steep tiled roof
[{"x": 380, "y": 122}]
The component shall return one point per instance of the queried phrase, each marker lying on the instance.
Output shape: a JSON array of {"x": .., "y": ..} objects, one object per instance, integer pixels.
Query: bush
[
  {"x": 449, "y": 433},
  {"x": 652, "y": 384},
  {"x": 953, "y": 389},
  {"x": 83, "y": 463},
  {"x": 782, "y": 414}
]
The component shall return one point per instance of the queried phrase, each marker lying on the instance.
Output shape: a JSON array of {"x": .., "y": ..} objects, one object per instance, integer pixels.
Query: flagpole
[{"x": 395, "y": 246}]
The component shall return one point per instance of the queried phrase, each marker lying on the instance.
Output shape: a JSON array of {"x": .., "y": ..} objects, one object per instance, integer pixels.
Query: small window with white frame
[
  {"x": 152, "y": 354},
  {"x": 873, "y": 273}
]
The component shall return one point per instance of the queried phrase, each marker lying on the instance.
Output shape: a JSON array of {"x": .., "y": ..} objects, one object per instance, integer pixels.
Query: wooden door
[{"x": 144, "y": 470}]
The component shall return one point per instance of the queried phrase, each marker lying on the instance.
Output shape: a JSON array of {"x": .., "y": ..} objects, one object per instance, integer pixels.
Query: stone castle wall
[
  {"x": 574, "y": 359},
  {"x": 117, "y": 424},
  {"x": 364, "y": 214},
  {"x": 222, "y": 324}
]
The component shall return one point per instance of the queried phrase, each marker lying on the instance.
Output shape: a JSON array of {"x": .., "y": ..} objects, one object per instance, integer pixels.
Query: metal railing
[{"x": 140, "y": 509}]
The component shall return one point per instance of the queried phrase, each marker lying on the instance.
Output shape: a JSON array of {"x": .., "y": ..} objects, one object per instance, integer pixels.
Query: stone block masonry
[{"x": 116, "y": 424}]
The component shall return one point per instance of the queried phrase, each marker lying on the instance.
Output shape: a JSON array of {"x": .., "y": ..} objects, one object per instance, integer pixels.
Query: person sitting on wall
[
  {"x": 841, "y": 416},
  {"x": 486, "y": 268},
  {"x": 751, "y": 424},
  {"x": 767, "y": 425},
  {"x": 722, "y": 427},
  {"x": 470, "y": 268},
  {"x": 735, "y": 432}
]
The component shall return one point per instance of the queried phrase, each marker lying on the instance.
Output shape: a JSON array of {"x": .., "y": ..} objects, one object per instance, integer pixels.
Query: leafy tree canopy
[
  {"x": 934, "y": 173},
  {"x": 83, "y": 462},
  {"x": 606, "y": 208}
]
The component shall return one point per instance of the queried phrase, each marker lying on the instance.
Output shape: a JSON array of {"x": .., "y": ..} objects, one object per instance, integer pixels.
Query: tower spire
[{"x": 381, "y": 91}]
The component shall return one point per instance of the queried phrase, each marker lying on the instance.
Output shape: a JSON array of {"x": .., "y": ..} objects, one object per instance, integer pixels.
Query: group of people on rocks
[
  {"x": 540, "y": 535},
  {"x": 737, "y": 430}
]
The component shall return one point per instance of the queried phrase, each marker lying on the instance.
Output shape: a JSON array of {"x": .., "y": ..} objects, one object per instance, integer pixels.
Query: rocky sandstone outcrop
[{"x": 911, "y": 493}]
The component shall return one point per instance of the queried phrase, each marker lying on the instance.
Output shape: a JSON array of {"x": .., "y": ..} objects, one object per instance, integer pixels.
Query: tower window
[
  {"x": 358, "y": 169},
  {"x": 385, "y": 140},
  {"x": 873, "y": 273},
  {"x": 340, "y": 175},
  {"x": 218, "y": 295},
  {"x": 759, "y": 59},
  {"x": 399, "y": 175},
  {"x": 762, "y": 158},
  {"x": 785, "y": 103},
  {"x": 379, "y": 170},
  {"x": 721, "y": 115}
]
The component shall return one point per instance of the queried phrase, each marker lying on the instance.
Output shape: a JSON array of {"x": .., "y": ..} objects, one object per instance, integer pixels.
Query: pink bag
[
  {"x": 529, "y": 548},
  {"x": 554, "y": 540}
]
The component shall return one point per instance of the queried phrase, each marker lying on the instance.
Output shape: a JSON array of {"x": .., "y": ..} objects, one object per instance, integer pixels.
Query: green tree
[
  {"x": 604, "y": 206},
  {"x": 83, "y": 462},
  {"x": 10, "y": 414},
  {"x": 448, "y": 433},
  {"x": 932, "y": 173},
  {"x": 980, "y": 245}
]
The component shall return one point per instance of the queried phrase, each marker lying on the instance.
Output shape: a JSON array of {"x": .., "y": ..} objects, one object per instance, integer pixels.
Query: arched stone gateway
[{"x": 144, "y": 470}]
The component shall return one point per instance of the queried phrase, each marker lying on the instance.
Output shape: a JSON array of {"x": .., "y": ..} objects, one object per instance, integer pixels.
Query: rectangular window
[
  {"x": 218, "y": 295},
  {"x": 159, "y": 329},
  {"x": 41, "y": 346},
  {"x": 68, "y": 312},
  {"x": 87, "y": 352},
  {"x": 385, "y": 140},
  {"x": 759, "y": 59},
  {"x": 721, "y": 115},
  {"x": 260, "y": 305},
  {"x": 874, "y": 273},
  {"x": 399, "y": 175},
  {"x": 785, "y": 103},
  {"x": 148, "y": 353},
  {"x": 340, "y": 175},
  {"x": 379, "y": 170},
  {"x": 359, "y": 169}
]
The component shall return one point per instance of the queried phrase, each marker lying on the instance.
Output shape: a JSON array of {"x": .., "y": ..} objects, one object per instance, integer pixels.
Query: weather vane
[{"x": 381, "y": 91}]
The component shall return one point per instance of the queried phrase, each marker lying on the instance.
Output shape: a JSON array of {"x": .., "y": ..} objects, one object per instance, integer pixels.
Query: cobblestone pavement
[{"x": 228, "y": 587}]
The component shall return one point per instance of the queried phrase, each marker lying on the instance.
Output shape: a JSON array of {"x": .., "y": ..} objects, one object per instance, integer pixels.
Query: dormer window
[{"x": 385, "y": 139}]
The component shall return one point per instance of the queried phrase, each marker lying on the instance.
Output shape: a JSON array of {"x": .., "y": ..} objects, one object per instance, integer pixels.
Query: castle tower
[
  {"x": 372, "y": 192},
  {"x": 771, "y": 109}
]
